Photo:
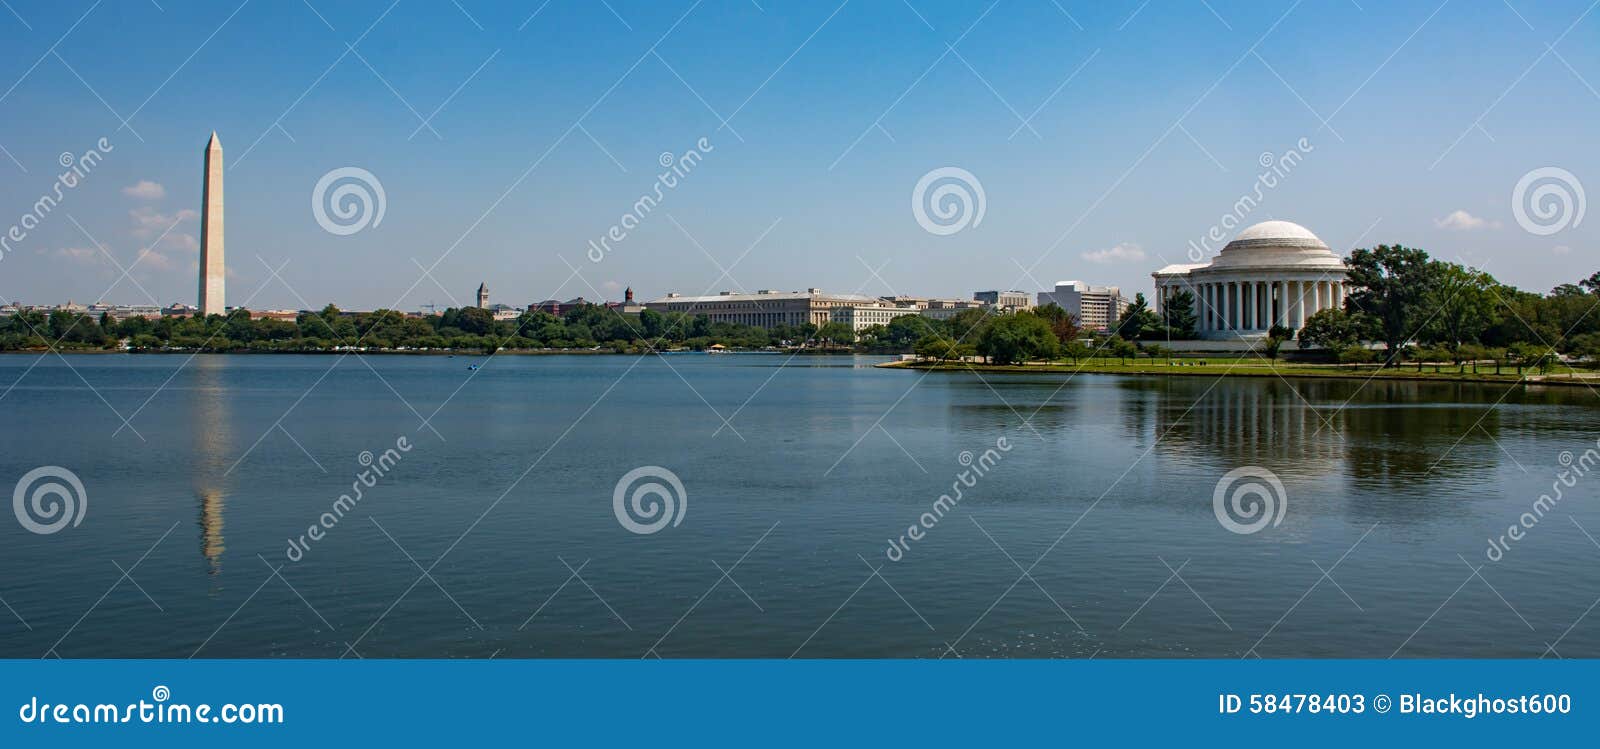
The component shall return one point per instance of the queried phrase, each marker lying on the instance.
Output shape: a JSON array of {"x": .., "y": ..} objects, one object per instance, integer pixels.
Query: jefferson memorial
[{"x": 1273, "y": 273}]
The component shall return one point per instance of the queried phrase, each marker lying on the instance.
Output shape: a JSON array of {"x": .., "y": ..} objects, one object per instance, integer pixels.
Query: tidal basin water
[{"x": 495, "y": 534}]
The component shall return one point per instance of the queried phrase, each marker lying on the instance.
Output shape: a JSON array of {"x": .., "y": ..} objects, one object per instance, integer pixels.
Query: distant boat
[
  {"x": 717, "y": 348},
  {"x": 472, "y": 367}
]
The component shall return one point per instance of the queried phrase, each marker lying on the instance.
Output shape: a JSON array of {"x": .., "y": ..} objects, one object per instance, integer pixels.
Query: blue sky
[{"x": 1144, "y": 126}]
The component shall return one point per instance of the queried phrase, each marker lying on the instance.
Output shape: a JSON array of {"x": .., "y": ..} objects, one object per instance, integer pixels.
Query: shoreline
[
  {"x": 436, "y": 352},
  {"x": 1224, "y": 370}
]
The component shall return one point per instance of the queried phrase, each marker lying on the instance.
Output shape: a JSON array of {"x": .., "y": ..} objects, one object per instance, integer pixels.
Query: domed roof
[
  {"x": 1277, "y": 230},
  {"x": 1281, "y": 244}
]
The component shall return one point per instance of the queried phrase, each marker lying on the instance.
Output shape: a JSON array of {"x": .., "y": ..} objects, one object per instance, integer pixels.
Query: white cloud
[
  {"x": 149, "y": 222},
  {"x": 145, "y": 190},
  {"x": 149, "y": 258},
  {"x": 81, "y": 255},
  {"x": 1460, "y": 220},
  {"x": 1125, "y": 252}
]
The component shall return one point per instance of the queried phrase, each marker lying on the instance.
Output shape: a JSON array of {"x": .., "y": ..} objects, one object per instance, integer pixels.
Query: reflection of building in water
[
  {"x": 210, "y": 429},
  {"x": 1248, "y": 421},
  {"x": 211, "y": 541}
]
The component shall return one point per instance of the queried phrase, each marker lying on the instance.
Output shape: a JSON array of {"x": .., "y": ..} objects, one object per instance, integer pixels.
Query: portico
[{"x": 1275, "y": 273}]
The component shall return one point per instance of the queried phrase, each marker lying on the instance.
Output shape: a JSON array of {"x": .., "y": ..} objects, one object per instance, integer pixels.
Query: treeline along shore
[{"x": 1403, "y": 310}]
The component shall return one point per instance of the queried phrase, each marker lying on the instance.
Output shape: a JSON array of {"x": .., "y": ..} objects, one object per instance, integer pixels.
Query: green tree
[
  {"x": 1123, "y": 349},
  {"x": 1332, "y": 329},
  {"x": 943, "y": 348},
  {"x": 1392, "y": 285},
  {"x": 1062, "y": 323},
  {"x": 1355, "y": 356},
  {"x": 1138, "y": 321},
  {"x": 1076, "y": 350},
  {"x": 1463, "y": 305},
  {"x": 1018, "y": 337},
  {"x": 837, "y": 333},
  {"x": 1178, "y": 315}
]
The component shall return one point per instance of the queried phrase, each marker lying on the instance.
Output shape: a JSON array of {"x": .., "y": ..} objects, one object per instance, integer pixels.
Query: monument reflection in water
[{"x": 212, "y": 435}]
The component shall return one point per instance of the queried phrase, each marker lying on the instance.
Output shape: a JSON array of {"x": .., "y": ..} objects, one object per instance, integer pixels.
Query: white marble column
[
  {"x": 1234, "y": 292},
  {"x": 1248, "y": 322},
  {"x": 1263, "y": 304},
  {"x": 1194, "y": 297},
  {"x": 1212, "y": 308}
]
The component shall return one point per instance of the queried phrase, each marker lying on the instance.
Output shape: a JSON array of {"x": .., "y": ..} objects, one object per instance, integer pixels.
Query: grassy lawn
[{"x": 1258, "y": 367}]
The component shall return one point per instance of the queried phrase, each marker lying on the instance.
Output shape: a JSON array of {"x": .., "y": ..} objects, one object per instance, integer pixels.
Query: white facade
[
  {"x": 1273, "y": 273},
  {"x": 861, "y": 318},
  {"x": 1094, "y": 307},
  {"x": 765, "y": 308}
]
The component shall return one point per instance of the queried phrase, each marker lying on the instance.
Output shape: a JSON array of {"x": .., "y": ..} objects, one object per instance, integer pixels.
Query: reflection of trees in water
[
  {"x": 1396, "y": 441},
  {"x": 975, "y": 405},
  {"x": 1386, "y": 438},
  {"x": 209, "y": 428},
  {"x": 1389, "y": 438}
]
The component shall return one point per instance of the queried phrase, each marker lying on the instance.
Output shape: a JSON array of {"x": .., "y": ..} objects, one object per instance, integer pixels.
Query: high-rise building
[
  {"x": 213, "y": 276},
  {"x": 1094, "y": 307}
]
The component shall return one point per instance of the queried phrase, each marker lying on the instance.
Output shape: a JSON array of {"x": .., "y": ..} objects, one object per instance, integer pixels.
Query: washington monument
[{"x": 212, "y": 280}]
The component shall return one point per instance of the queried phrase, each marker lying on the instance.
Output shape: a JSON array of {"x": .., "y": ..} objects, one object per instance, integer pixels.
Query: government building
[
  {"x": 1273, "y": 273},
  {"x": 766, "y": 308}
]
